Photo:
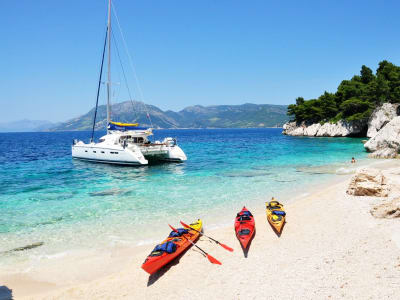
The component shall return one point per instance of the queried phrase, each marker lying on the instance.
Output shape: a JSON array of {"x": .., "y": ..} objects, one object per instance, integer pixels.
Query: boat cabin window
[
  {"x": 101, "y": 140},
  {"x": 131, "y": 139},
  {"x": 125, "y": 138}
]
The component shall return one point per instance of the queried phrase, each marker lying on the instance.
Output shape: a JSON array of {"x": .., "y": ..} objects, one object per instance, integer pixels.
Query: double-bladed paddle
[
  {"x": 222, "y": 245},
  {"x": 210, "y": 258}
]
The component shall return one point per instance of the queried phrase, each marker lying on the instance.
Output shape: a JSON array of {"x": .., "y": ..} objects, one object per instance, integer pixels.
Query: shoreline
[
  {"x": 121, "y": 272},
  {"x": 110, "y": 235}
]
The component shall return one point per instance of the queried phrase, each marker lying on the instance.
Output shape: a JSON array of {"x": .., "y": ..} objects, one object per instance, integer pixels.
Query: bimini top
[{"x": 124, "y": 126}]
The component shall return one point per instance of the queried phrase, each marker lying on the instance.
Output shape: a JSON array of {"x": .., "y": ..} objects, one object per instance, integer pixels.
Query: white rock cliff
[
  {"x": 341, "y": 128},
  {"x": 380, "y": 117},
  {"x": 386, "y": 143}
]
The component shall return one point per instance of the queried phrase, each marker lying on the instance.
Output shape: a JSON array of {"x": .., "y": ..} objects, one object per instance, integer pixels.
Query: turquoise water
[{"x": 48, "y": 197}]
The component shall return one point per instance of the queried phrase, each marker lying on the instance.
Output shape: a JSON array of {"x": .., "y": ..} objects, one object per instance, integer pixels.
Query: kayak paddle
[
  {"x": 222, "y": 245},
  {"x": 210, "y": 258}
]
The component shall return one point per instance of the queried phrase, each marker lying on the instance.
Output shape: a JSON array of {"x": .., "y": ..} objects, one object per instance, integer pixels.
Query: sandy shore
[{"x": 331, "y": 248}]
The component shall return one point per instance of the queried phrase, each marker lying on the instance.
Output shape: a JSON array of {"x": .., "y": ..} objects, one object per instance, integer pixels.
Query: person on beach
[{"x": 353, "y": 160}]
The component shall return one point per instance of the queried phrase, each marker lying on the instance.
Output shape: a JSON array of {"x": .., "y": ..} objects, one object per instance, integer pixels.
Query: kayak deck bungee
[
  {"x": 171, "y": 247},
  {"x": 276, "y": 215},
  {"x": 244, "y": 227}
]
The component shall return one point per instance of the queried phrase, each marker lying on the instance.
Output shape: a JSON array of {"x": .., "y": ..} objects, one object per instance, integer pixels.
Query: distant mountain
[
  {"x": 216, "y": 116},
  {"x": 26, "y": 126}
]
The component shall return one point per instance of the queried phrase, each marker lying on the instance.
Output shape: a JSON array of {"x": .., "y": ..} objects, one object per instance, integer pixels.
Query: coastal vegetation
[{"x": 354, "y": 100}]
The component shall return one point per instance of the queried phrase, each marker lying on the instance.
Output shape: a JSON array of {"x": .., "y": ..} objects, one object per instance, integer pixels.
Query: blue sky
[{"x": 188, "y": 52}]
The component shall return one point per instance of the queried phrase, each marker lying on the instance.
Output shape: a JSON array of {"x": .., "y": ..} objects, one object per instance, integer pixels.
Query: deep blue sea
[{"x": 46, "y": 196}]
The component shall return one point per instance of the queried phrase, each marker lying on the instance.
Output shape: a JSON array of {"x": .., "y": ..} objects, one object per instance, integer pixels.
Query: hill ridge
[{"x": 246, "y": 115}]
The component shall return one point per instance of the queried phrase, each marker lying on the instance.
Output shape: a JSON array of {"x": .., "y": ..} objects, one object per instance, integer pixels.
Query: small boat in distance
[{"x": 124, "y": 143}]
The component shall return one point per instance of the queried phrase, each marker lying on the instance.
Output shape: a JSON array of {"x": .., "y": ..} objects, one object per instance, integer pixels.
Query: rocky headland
[
  {"x": 340, "y": 129},
  {"x": 382, "y": 127}
]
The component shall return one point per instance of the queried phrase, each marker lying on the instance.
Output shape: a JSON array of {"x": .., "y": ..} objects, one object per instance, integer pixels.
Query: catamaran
[{"x": 124, "y": 143}]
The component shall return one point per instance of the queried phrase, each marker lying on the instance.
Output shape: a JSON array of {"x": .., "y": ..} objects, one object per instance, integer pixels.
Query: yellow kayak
[{"x": 276, "y": 215}]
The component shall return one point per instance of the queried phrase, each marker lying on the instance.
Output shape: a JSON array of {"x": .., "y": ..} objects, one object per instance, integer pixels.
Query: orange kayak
[{"x": 171, "y": 247}]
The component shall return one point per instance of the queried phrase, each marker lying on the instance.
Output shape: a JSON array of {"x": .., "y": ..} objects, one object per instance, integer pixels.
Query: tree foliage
[{"x": 355, "y": 99}]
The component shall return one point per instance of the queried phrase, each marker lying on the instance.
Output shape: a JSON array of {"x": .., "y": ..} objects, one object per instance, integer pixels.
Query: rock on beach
[
  {"x": 368, "y": 182},
  {"x": 387, "y": 210}
]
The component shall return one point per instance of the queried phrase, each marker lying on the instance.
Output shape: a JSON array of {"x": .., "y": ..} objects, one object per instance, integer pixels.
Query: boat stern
[{"x": 176, "y": 154}]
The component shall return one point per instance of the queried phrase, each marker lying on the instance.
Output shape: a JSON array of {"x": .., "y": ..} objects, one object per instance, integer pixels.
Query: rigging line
[
  {"x": 123, "y": 73},
  {"x": 117, "y": 90},
  {"x": 131, "y": 64},
  {"x": 99, "y": 85}
]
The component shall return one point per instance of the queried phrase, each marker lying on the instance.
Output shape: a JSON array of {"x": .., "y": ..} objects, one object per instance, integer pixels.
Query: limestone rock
[
  {"x": 292, "y": 128},
  {"x": 368, "y": 182},
  {"x": 312, "y": 129},
  {"x": 386, "y": 143},
  {"x": 387, "y": 210},
  {"x": 341, "y": 128},
  {"x": 380, "y": 117},
  {"x": 384, "y": 153}
]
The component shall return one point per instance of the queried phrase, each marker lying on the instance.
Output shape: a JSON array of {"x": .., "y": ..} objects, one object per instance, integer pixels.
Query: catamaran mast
[{"x": 109, "y": 65}]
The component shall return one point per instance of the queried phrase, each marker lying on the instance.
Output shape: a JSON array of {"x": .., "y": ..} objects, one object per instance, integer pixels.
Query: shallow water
[{"x": 45, "y": 196}]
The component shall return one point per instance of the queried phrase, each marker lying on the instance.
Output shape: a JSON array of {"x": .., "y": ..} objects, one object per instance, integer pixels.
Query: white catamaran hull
[
  {"x": 131, "y": 155},
  {"x": 175, "y": 154},
  {"x": 110, "y": 155}
]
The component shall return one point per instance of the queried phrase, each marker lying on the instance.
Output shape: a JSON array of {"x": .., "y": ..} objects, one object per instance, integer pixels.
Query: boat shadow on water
[{"x": 246, "y": 250}]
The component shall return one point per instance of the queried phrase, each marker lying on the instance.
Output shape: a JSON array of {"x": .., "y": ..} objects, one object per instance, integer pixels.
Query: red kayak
[{"x": 244, "y": 226}]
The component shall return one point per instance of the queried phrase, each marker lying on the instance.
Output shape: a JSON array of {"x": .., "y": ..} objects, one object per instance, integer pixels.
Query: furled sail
[{"x": 124, "y": 126}]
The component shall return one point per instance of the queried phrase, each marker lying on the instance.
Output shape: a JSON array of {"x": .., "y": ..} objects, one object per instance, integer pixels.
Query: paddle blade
[
  {"x": 226, "y": 247},
  {"x": 172, "y": 228},
  {"x": 185, "y": 225},
  {"x": 213, "y": 260}
]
